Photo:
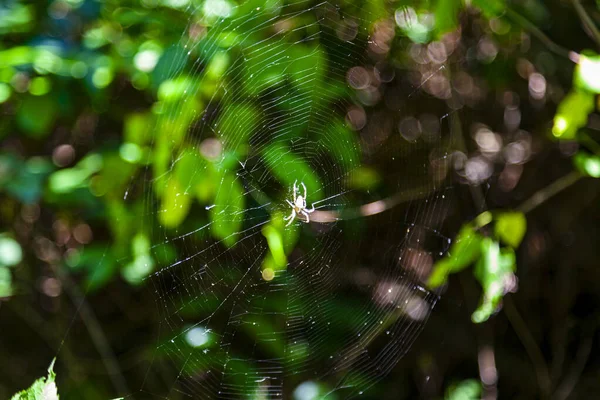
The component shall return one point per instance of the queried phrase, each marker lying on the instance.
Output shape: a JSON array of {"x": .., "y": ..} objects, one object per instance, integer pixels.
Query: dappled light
[{"x": 223, "y": 199}]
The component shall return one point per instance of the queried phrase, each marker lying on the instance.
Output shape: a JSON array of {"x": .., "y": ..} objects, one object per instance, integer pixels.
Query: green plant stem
[
  {"x": 565, "y": 389},
  {"x": 542, "y": 37},
  {"x": 93, "y": 326},
  {"x": 549, "y": 191},
  {"x": 587, "y": 21},
  {"x": 590, "y": 142},
  {"x": 528, "y": 341}
]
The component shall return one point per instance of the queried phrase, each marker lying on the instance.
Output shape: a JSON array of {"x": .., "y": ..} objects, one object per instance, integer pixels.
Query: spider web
[{"x": 251, "y": 308}]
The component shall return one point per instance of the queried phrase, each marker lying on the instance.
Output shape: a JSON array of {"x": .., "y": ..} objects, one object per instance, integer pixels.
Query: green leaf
[
  {"x": 265, "y": 66},
  {"x": 342, "y": 144},
  {"x": 228, "y": 211},
  {"x": 463, "y": 252},
  {"x": 37, "y": 114},
  {"x": 275, "y": 241},
  {"x": 175, "y": 204},
  {"x": 97, "y": 261},
  {"x": 307, "y": 71},
  {"x": 281, "y": 241},
  {"x": 138, "y": 269},
  {"x": 440, "y": 273},
  {"x": 289, "y": 167},
  {"x": 42, "y": 389},
  {"x": 137, "y": 128},
  {"x": 446, "y": 15},
  {"x": 68, "y": 179},
  {"x": 197, "y": 175},
  {"x": 510, "y": 228},
  {"x": 189, "y": 168},
  {"x": 572, "y": 114},
  {"x": 587, "y": 164},
  {"x": 495, "y": 272},
  {"x": 142, "y": 264},
  {"x": 235, "y": 126},
  {"x": 469, "y": 389},
  {"x": 587, "y": 72},
  {"x": 173, "y": 90},
  {"x": 5, "y": 282},
  {"x": 465, "y": 249}
]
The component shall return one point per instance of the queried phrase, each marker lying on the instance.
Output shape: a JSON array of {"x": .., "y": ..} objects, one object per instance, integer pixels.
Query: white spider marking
[{"x": 298, "y": 205}]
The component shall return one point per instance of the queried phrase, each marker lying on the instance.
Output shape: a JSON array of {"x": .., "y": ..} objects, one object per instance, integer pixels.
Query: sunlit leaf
[
  {"x": 16, "y": 18},
  {"x": 218, "y": 65},
  {"x": 137, "y": 128},
  {"x": 440, "y": 273},
  {"x": 469, "y": 389},
  {"x": 10, "y": 251},
  {"x": 42, "y": 389},
  {"x": 5, "y": 92},
  {"x": 587, "y": 164},
  {"x": 176, "y": 88},
  {"x": 465, "y": 250},
  {"x": 510, "y": 228},
  {"x": 572, "y": 114},
  {"x": 39, "y": 86},
  {"x": 135, "y": 271},
  {"x": 68, "y": 179},
  {"x": 281, "y": 241},
  {"x": 495, "y": 272},
  {"x": 275, "y": 241},
  {"x": 587, "y": 72}
]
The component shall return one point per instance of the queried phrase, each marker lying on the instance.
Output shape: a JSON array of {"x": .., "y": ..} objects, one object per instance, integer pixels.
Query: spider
[{"x": 298, "y": 205}]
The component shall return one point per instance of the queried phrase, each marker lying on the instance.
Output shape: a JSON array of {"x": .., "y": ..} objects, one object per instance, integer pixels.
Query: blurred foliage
[
  {"x": 466, "y": 390},
  {"x": 494, "y": 265},
  {"x": 90, "y": 105}
]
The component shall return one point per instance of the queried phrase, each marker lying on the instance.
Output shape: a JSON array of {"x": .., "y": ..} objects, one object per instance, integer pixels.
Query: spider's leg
[
  {"x": 295, "y": 190},
  {"x": 312, "y": 208},
  {"x": 304, "y": 186},
  {"x": 306, "y": 215},
  {"x": 290, "y": 203},
  {"x": 291, "y": 218}
]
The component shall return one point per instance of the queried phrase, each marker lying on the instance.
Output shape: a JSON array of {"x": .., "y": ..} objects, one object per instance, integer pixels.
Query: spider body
[{"x": 298, "y": 205}]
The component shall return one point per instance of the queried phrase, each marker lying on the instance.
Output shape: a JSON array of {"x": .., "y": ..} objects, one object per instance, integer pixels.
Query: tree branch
[
  {"x": 528, "y": 341},
  {"x": 542, "y": 37},
  {"x": 549, "y": 191}
]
